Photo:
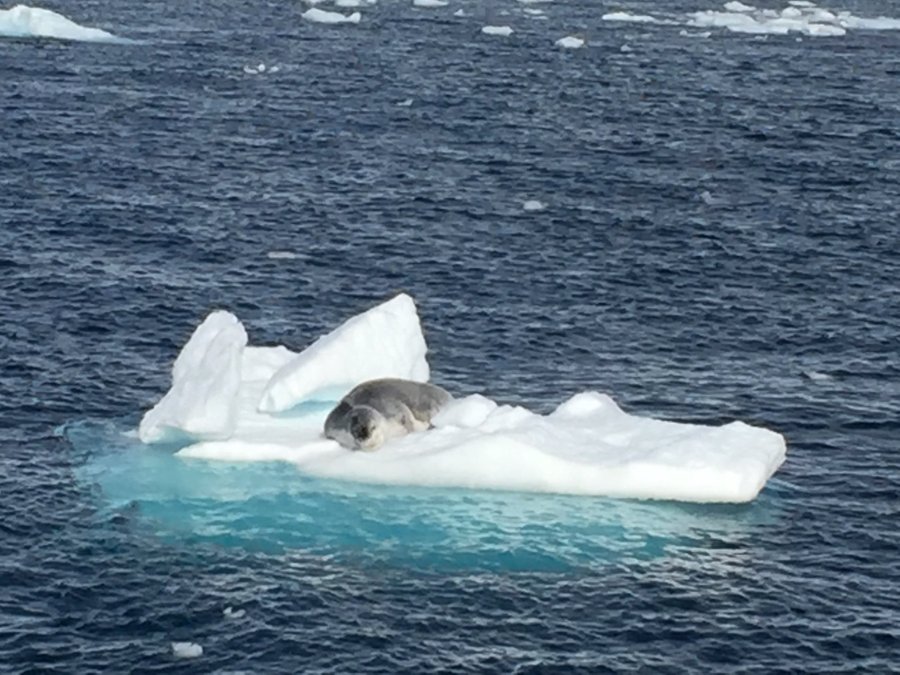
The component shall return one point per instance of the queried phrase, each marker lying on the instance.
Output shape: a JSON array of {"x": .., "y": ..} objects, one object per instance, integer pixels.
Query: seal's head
[{"x": 367, "y": 427}]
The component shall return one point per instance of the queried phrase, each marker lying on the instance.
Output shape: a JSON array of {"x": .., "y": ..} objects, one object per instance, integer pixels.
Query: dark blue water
[{"x": 720, "y": 242}]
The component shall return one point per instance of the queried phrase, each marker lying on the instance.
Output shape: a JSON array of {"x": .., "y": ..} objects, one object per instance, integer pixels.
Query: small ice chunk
[
  {"x": 385, "y": 341},
  {"x": 186, "y": 650},
  {"x": 533, "y": 205},
  {"x": 816, "y": 376},
  {"x": 348, "y": 4},
  {"x": 736, "y": 6},
  {"x": 281, "y": 255},
  {"x": 405, "y": 103},
  {"x": 323, "y": 16},
  {"x": 206, "y": 377},
  {"x": 626, "y": 48},
  {"x": 504, "y": 31},
  {"x": 570, "y": 42},
  {"x": 459, "y": 12},
  {"x": 429, "y": 3},
  {"x": 625, "y": 16},
  {"x": 230, "y": 613}
]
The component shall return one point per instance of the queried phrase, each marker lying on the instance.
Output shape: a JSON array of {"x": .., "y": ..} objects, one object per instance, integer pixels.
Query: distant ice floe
[
  {"x": 587, "y": 446},
  {"x": 323, "y": 16},
  {"x": 570, "y": 42},
  {"x": 186, "y": 650},
  {"x": 503, "y": 31},
  {"x": 230, "y": 613},
  {"x": 533, "y": 205},
  {"x": 632, "y": 18},
  {"x": 352, "y": 4},
  {"x": 23, "y": 21},
  {"x": 430, "y": 3},
  {"x": 799, "y": 16}
]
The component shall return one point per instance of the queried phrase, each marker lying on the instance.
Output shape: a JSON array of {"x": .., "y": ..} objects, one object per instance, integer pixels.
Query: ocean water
[{"x": 719, "y": 242}]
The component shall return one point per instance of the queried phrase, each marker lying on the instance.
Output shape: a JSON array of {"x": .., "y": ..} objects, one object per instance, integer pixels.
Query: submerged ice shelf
[{"x": 239, "y": 403}]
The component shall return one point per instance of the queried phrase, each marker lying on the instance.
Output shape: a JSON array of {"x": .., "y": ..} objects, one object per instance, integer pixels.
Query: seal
[{"x": 379, "y": 410}]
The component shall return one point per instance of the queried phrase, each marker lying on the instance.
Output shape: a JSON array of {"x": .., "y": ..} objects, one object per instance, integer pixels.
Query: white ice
[
  {"x": 186, "y": 650},
  {"x": 587, "y": 446},
  {"x": 625, "y": 16},
  {"x": 533, "y": 205},
  {"x": 798, "y": 17},
  {"x": 429, "y": 3},
  {"x": 503, "y": 31},
  {"x": 736, "y": 6},
  {"x": 323, "y": 16},
  {"x": 24, "y": 21},
  {"x": 570, "y": 42},
  {"x": 385, "y": 341},
  {"x": 206, "y": 377}
]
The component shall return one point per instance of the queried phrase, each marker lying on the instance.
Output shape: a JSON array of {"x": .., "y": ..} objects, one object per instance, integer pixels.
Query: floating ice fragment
[
  {"x": 570, "y": 42},
  {"x": 281, "y": 255},
  {"x": 24, "y": 21},
  {"x": 430, "y": 3},
  {"x": 459, "y": 12},
  {"x": 626, "y": 48},
  {"x": 230, "y": 613},
  {"x": 206, "y": 376},
  {"x": 816, "y": 376},
  {"x": 625, "y": 16},
  {"x": 736, "y": 6},
  {"x": 186, "y": 650},
  {"x": 405, "y": 103},
  {"x": 385, "y": 341},
  {"x": 322, "y": 16},
  {"x": 533, "y": 205},
  {"x": 504, "y": 31}
]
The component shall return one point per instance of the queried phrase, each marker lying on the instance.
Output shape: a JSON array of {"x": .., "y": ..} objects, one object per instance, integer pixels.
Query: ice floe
[
  {"x": 533, "y": 205},
  {"x": 625, "y": 16},
  {"x": 430, "y": 3},
  {"x": 587, "y": 446},
  {"x": 797, "y": 17},
  {"x": 22, "y": 21},
  {"x": 570, "y": 42},
  {"x": 503, "y": 31},
  {"x": 323, "y": 16},
  {"x": 186, "y": 650}
]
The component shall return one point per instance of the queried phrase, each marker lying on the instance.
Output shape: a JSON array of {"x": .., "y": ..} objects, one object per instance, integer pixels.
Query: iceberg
[
  {"x": 228, "y": 401},
  {"x": 385, "y": 341},
  {"x": 206, "y": 377},
  {"x": 503, "y": 31},
  {"x": 24, "y": 21}
]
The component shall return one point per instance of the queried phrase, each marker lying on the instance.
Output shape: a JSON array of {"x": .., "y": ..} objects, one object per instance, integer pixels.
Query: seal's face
[{"x": 366, "y": 428}]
